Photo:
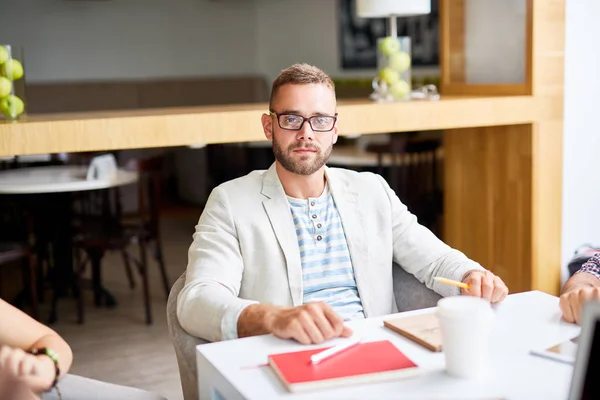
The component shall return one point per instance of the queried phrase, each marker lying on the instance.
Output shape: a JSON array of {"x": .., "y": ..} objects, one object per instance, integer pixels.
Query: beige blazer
[{"x": 245, "y": 248}]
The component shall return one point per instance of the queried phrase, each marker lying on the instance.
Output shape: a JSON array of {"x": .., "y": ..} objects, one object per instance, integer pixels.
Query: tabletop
[
  {"x": 236, "y": 369},
  {"x": 57, "y": 179}
]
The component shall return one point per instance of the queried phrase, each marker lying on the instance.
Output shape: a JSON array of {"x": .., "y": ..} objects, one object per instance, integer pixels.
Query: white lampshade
[{"x": 387, "y": 8}]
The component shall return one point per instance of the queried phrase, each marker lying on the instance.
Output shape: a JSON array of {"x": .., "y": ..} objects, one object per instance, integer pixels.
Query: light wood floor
[{"x": 115, "y": 345}]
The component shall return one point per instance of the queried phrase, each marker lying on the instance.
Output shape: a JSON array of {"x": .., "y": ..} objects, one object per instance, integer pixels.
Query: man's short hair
[{"x": 300, "y": 74}]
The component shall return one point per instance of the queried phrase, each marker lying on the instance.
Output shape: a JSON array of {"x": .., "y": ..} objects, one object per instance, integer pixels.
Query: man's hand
[
  {"x": 486, "y": 285},
  {"x": 571, "y": 302},
  {"x": 34, "y": 372},
  {"x": 308, "y": 323}
]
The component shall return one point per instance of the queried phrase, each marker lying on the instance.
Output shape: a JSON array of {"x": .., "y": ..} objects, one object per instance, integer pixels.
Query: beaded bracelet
[{"x": 54, "y": 357}]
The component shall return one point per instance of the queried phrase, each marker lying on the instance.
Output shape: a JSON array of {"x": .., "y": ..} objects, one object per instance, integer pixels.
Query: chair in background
[
  {"x": 409, "y": 292},
  {"x": 414, "y": 175},
  {"x": 12, "y": 252},
  {"x": 102, "y": 227},
  {"x": 14, "y": 247}
]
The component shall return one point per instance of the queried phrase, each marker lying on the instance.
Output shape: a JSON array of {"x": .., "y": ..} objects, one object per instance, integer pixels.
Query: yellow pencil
[{"x": 461, "y": 285}]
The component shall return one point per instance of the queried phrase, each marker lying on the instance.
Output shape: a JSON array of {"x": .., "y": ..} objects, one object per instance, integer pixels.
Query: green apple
[
  {"x": 400, "y": 61},
  {"x": 389, "y": 75},
  {"x": 12, "y": 69},
  {"x": 5, "y": 87},
  {"x": 3, "y": 55},
  {"x": 399, "y": 89},
  {"x": 389, "y": 45},
  {"x": 12, "y": 106}
]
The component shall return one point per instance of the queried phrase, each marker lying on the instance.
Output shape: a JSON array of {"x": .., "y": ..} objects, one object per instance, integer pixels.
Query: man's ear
[
  {"x": 335, "y": 134},
  {"x": 267, "y": 123}
]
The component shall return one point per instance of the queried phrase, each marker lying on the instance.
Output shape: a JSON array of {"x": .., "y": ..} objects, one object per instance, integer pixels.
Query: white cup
[{"x": 466, "y": 325}]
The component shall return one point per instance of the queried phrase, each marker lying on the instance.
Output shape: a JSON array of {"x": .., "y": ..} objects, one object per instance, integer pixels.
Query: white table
[
  {"x": 58, "y": 179},
  {"x": 524, "y": 321}
]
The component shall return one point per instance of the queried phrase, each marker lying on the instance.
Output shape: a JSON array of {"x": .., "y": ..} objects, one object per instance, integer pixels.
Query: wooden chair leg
[
  {"x": 128, "y": 269},
  {"x": 96, "y": 261},
  {"x": 41, "y": 266},
  {"x": 144, "y": 272},
  {"x": 161, "y": 264},
  {"x": 29, "y": 265},
  {"x": 78, "y": 284}
]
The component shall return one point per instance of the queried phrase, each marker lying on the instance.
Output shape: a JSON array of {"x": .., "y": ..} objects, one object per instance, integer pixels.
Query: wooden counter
[{"x": 55, "y": 133}]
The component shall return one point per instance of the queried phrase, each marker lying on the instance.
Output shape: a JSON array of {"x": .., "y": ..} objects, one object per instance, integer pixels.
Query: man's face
[{"x": 302, "y": 151}]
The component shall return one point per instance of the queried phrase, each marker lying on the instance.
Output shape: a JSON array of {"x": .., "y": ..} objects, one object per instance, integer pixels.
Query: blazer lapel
[
  {"x": 278, "y": 211},
  {"x": 348, "y": 204}
]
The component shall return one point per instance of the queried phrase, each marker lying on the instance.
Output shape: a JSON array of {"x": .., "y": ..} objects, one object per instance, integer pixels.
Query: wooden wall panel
[
  {"x": 452, "y": 41},
  {"x": 516, "y": 232},
  {"x": 547, "y": 206},
  {"x": 488, "y": 199}
]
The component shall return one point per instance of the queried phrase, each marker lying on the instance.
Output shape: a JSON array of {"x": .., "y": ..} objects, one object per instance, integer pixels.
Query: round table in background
[
  {"x": 58, "y": 182},
  {"x": 58, "y": 179}
]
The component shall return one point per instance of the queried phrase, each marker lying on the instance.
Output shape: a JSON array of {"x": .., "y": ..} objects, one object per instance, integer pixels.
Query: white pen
[{"x": 318, "y": 357}]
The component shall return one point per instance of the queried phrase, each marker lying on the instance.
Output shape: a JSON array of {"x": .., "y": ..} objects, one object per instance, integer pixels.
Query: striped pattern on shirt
[{"x": 327, "y": 273}]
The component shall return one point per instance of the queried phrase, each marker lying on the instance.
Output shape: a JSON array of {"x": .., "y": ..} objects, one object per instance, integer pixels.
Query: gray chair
[
  {"x": 74, "y": 387},
  {"x": 410, "y": 295}
]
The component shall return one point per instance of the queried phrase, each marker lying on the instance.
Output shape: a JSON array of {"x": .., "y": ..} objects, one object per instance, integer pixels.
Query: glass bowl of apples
[
  {"x": 12, "y": 83},
  {"x": 393, "y": 80}
]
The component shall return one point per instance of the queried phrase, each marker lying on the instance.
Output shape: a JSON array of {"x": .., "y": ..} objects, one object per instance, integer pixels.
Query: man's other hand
[
  {"x": 486, "y": 285},
  {"x": 571, "y": 302}
]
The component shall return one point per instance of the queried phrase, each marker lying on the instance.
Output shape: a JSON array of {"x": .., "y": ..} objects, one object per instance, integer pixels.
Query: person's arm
[
  {"x": 208, "y": 305},
  {"x": 421, "y": 253},
  {"x": 582, "y": 287},
  {"x": 19, "y": 334}
]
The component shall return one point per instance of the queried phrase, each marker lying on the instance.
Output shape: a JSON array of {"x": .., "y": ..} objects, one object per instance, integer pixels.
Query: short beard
[{"x": 283, "y": 157}]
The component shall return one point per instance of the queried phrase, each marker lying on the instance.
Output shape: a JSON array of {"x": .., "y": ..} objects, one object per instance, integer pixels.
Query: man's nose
[{"x": 305, "y": 132}]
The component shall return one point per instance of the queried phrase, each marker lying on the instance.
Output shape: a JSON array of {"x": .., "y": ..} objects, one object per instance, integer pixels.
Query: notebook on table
[
  {"x": 423, "y": 329},
  {"x": 367, "y": 362}
]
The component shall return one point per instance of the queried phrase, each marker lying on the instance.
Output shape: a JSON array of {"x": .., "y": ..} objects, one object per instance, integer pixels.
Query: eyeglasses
[{"x": 318, "y": 123}]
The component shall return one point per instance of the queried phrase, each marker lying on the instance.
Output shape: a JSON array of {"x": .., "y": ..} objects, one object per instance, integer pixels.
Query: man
[
  {"x": 299, "y": 248},
  {"x": 582, "y": 287}
]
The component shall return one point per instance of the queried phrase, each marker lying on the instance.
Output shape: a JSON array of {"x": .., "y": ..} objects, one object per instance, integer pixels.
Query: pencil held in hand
[{"x": 451, "y": 282}]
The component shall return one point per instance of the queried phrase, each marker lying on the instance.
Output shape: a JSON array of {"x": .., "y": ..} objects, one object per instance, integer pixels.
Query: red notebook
[{"x": 366, "y": 362}]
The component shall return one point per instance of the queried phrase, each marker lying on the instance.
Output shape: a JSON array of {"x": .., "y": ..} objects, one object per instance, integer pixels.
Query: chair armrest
[
  {"x": 410, "y": 293},
  {"x": 184, "y": 344}
]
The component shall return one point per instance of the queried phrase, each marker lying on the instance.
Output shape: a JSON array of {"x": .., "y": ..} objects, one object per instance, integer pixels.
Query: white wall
[
  {"x": 123, "y": 39},
  {"x": 78, "y": 40},
  {"x": 581, "y": 149},
  {"x": 310, "y": 36}
]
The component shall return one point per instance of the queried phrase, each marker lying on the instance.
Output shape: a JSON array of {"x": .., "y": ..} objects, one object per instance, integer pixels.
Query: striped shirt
[{"x": 327, "y": 273}]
